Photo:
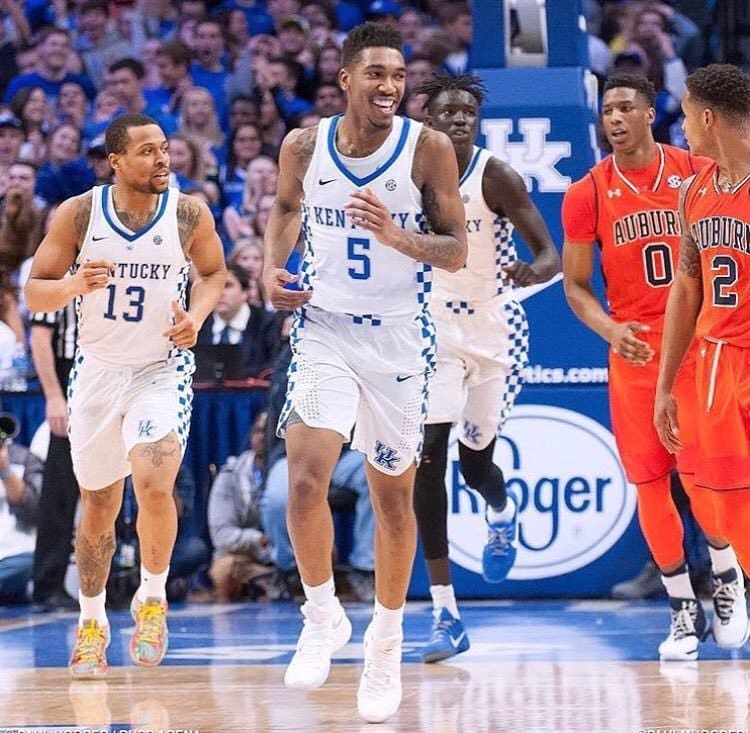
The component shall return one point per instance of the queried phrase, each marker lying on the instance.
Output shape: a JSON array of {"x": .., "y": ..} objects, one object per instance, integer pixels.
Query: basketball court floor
[{"x": 561, "y": 667}]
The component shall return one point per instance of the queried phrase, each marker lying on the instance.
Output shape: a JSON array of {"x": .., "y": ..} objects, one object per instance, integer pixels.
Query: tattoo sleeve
[
  {"x": 188, "y": 216},
  {"x": 303, "y": 147},
  {"x": 82, "y": 215},
  {"x": 690, "y": 256}
]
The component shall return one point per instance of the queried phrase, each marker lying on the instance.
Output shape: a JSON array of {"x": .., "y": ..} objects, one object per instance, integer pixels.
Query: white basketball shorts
[
  {"x": 357, "y": 373},
  {"x": 112, "y": 409},
  {"x": 481, "y": 354}
]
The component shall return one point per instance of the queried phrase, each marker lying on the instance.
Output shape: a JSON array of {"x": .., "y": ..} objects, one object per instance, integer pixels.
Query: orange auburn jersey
[
  {"x": 719, "y": 223},
  {"x": 632, "y": 215}
]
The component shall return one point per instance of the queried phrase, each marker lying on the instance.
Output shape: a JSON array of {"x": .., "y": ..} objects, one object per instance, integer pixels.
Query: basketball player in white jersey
[
  {"x": 482, "y": 337},
  {"x": 130, "y": 246},
  {"x": 363, "y": 187}
]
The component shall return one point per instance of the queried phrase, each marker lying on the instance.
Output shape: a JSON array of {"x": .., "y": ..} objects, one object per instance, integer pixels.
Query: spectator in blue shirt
[
  {"x": 209, "y": 70},
  {"x": 258, "y": 20},
  {"x": 126, "y": 82},
  {"x": 64, "y": 173},
  {"x": 173, "y": 63},
  {"x": 52, "y": 73}
]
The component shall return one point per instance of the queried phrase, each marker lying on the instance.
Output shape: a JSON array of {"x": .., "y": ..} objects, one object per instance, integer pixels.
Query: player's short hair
[
  {"x": 436, "y": 84},
  {"x": 116, "y": 136},
  {"x": 722, "y": 88},
  {"x": 369, "y": 35},
  {"x": 641, "y": 84},
  {"x": 243, "y": 278}
]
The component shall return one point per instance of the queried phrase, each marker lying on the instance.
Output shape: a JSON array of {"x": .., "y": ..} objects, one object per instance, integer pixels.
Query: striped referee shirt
[{"x": 65, "y": 337}]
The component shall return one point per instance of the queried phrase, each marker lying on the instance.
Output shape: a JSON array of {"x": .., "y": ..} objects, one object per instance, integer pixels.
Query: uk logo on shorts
[
  {"x": 385, "y": 456},
  {"x": 472, "y": 433},
  {"x": 146, "y": 428}
]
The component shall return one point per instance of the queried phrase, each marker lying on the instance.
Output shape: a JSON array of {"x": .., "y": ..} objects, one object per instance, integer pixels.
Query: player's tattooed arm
[
  {"x": 82, "y": 215},
  {"x": 302, "y": 148},
  {"x": 690, "y": 256},
  {"x": 188, "y": 216},
  {"x": 435, "y": 173}
]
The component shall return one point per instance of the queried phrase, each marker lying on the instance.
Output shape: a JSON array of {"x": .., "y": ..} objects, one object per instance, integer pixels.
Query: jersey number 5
[
  {"x": 356, "y": 248},
  {"x": 657, "y": 263},
  {"x": 135, "y": 307}
]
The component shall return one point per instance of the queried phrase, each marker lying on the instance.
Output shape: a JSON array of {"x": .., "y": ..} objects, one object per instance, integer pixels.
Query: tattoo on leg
[
  {"x": 94, "y": 559},
  {"x": 161, "y": 449}
]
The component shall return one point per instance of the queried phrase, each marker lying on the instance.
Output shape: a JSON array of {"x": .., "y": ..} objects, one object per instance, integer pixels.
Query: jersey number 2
[
  {"x": 726, "y": 267},
  {"x": 356, "y": 248},
  {"x": 135, "y": 306}
]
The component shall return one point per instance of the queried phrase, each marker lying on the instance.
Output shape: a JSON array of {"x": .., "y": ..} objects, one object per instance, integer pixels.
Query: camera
[{"x": 8, "y": 428}]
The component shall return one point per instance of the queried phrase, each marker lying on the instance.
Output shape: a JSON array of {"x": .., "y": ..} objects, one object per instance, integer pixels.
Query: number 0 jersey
[
  {"x": 123, "y": 324},
  {"x": 346, "y": 267},
  {"x": 632, "y": 215}
]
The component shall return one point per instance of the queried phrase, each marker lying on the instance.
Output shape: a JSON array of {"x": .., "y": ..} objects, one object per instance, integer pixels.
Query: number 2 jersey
[
  {"x": 123, "y": 324},
  {"x": 632, "y": 215},
  {"x": 719, "y": 224}
]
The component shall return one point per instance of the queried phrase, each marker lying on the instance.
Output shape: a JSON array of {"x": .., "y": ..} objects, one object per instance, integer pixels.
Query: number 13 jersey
[
  {"x": 632, "y": 216},
  {"x": 124, "y": 323}
]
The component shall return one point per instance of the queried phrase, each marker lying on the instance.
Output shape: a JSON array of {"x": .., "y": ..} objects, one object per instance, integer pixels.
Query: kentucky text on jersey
[
  {"x": 646, "y": 225},
  {"x": 141, "y": 271},
  {"x": 336, "y": 218},
  {"x": 722, "y": 231}
]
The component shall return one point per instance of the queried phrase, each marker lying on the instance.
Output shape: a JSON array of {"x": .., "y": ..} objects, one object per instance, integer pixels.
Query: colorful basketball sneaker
[
  {"x": 447, "y": 638},
  {"x": 89, "y": 657},
  {"x": 151, "y": 637},
  {"x": 499, "y": 553}
]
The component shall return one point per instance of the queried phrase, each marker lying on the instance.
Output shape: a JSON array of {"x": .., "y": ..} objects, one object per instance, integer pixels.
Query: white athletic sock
[
  {"x": 443, "y": 596},
  {"x": 93, "y": 609},
  {"x": 153, "y": 585},
  {"x": 323, "y": 595},
  {"x": 493, "y": 515},
  {"x": 387, "y": 622},
  {"x": 678, "y": 585},
  {"x": 723, "y": 560}
]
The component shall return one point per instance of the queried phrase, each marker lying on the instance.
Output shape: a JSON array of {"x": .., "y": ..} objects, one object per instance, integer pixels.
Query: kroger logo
[{"x": 574, "y": 499}]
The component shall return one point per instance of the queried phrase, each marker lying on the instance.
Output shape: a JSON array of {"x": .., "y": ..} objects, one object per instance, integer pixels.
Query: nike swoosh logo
[
  {"x": 455, "y": 642},
  {"x": 98, "y": 239},
  {"x": 403, "y": 379},
  {"x": 321, "y": 182}
]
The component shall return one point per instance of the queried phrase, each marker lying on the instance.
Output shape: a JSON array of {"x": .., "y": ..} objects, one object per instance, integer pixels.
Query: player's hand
[
  {"x": 275, "y": 278},
  {"x": 92, "y": 275},
  {"x": 184, "y": 331},
  {"x": 625, "y": 343},
  {"x": 523, "y": 274},
  {"x": 665, "y": 421},
  {"x": 367, "y": 211},
  {"x": 57, "y": 415}
]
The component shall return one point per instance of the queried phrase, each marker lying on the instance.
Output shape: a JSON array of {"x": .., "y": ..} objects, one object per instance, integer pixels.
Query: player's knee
[
  {"x": 100, "y": 508},
  {"x": 155, "y": 497},
  {"x": 394, "y": 511},
  {"x": 435, "y": 445},
  {"x": 305, "y": 493}
]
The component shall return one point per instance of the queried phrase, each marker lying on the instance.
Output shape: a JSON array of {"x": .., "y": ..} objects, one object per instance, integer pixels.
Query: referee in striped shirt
[{"x": 54, "y": 338}]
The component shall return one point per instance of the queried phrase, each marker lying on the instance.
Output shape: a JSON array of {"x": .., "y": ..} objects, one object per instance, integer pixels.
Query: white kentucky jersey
[
  {"x": 124, "y": 323},
  {"x": 491, "y": 246},
  {"x": 348, "y": 270}
]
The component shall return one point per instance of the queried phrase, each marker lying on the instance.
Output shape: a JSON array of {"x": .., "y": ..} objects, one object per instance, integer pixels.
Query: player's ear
[
  {"x": 114, "y": 160},
  {"x": 651, "y": 115},
  {"x": 344, "y": 79}
]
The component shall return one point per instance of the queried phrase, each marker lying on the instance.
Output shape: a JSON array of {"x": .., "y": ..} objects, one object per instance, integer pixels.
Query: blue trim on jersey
[
  {"x": 471, "y": 167},
  {"x": 126, "y": 235},
  {"x": 367, "y": 179}
]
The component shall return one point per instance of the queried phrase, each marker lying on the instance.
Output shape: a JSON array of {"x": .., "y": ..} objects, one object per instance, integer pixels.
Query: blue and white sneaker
[
  {"x": 447, "y": 638},
  {"x": 499, "y": 553}
]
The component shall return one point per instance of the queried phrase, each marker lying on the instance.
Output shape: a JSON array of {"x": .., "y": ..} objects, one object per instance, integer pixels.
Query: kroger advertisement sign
[{"x": 575, "y": 502}]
